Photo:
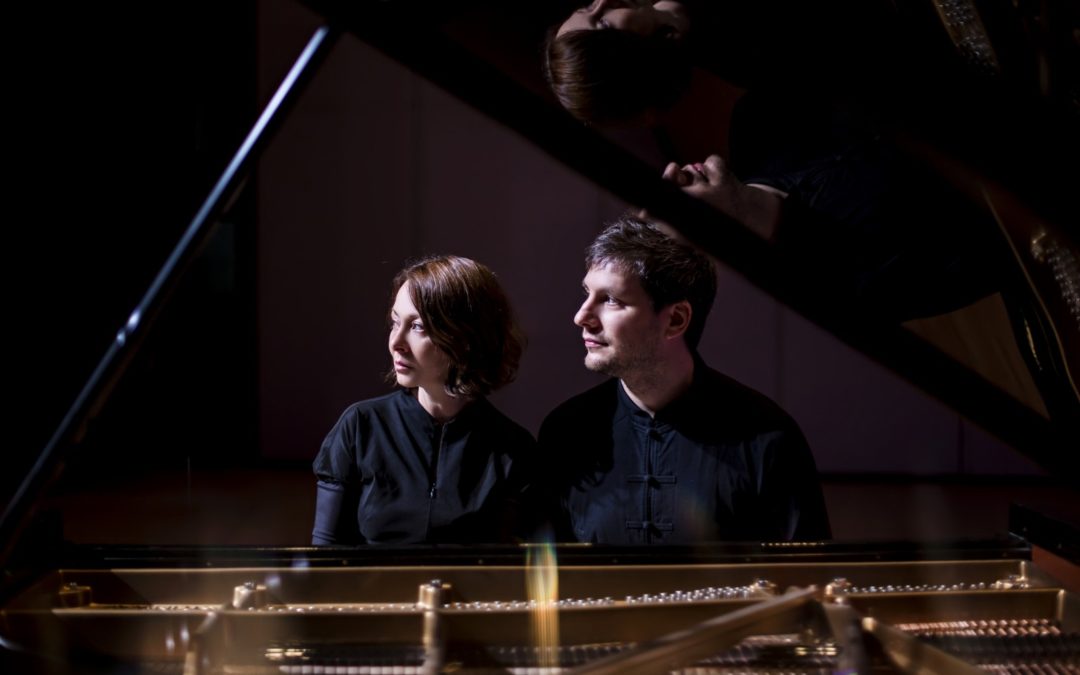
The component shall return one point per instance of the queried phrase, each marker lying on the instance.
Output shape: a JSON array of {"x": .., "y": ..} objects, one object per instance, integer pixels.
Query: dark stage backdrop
[{"x": 121, "y": 117}]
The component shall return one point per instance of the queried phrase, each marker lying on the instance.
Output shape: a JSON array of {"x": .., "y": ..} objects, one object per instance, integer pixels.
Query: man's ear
[{"x": 678, "y": 319}]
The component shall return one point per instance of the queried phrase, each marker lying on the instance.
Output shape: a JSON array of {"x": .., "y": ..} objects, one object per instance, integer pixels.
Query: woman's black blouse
[{"x": 389, "y": 473}]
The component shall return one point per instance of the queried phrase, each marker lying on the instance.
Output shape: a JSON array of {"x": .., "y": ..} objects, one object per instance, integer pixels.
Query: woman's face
[
  {"x": 417, "y": 361},
  {"x": 637, "y": 16}
]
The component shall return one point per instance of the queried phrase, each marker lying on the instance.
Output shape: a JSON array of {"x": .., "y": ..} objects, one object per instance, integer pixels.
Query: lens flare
[{"x": 542, "y": 586}]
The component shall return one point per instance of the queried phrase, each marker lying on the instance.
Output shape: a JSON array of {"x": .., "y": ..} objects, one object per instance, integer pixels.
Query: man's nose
[{"x": 584, "y": 317}]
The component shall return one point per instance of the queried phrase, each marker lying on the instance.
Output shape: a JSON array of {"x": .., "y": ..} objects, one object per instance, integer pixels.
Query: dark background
[{"x": 125, "y": 115}]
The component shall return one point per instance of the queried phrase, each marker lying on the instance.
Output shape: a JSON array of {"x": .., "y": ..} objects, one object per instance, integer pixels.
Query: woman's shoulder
[
  {"x": 369, "y": 405},
  {"x": 379, "y": 407}
]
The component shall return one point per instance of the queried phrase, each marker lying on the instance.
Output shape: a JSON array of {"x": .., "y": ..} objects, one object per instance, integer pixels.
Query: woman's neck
[{"x": 439, "y": 404}]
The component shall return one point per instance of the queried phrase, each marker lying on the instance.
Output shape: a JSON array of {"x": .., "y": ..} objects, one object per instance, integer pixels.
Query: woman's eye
[
  {"x": 602, "y": 24},
  {"x": 610, "y": 300},
  {"x": 417, "y": 327}
]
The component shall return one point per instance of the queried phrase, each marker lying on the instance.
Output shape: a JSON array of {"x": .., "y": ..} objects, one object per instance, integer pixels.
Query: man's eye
[
  {"x": 602, "y": 24},
  {"x": 611, "y": 301}
]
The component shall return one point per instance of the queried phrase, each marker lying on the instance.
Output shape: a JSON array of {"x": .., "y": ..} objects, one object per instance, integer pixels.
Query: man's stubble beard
[{"x": 639, "y": 365}]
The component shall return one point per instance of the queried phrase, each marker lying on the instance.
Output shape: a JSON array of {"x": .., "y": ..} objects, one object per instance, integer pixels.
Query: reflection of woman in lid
[
  {"x": 433, "y": 461},
  {"x": 617, "y": 61},
  {"x": 803, "y": 165},
  {"x": 629, "y": 61}
]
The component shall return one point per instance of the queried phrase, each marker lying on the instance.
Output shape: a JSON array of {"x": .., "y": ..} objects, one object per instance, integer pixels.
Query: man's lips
[{"x": 591, "y": 343}]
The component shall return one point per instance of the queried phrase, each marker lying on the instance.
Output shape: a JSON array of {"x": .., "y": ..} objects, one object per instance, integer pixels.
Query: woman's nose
[
  {"x": 596, "y": 7},
  {"x": 397, "y": 340}
]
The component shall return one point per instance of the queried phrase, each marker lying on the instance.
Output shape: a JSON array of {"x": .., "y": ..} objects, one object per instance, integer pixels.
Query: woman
[
  {"x": 433, "y": 461},
  {"x": 618, "y": 63},
  {"x": 806, "y": 163},
  {"x": 628, "y": 62}
]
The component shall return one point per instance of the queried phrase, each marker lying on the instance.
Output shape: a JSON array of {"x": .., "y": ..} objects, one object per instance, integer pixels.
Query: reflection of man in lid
[{"x": 669, "y": 450}]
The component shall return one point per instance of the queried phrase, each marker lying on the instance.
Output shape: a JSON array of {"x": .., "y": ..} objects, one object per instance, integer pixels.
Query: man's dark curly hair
[{"x": 669, "y": 270}]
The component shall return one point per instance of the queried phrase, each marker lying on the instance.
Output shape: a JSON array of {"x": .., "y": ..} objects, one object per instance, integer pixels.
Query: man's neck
[{"x": 653, "y": 390}]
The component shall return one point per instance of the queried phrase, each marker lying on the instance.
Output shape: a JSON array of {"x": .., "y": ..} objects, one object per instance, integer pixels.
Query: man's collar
[{"x": 672, "y": 411}]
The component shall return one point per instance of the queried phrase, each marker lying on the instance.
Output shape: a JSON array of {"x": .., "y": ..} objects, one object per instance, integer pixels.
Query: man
[{"x": 668, "y": 450}]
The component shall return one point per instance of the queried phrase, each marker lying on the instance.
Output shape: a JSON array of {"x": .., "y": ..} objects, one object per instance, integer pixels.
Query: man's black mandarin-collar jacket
[{"x": 721, "y": 463}]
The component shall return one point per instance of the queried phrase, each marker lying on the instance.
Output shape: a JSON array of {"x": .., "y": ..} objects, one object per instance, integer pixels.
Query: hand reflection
[{"x": 755, "y": 206}]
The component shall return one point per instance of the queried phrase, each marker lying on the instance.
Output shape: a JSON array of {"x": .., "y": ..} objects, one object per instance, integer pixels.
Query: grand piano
[{"x": 197, "y": 603}]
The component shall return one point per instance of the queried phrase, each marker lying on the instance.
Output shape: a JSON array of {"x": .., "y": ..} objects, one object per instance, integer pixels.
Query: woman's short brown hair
[
  {"x": 611, "y": 77},
  {"x": 467, "y": 315}
]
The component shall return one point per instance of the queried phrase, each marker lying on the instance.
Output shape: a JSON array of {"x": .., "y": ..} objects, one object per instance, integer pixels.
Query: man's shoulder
[
  {"x": 754, "y": 409},
  {"x": 583, "y": 406}
]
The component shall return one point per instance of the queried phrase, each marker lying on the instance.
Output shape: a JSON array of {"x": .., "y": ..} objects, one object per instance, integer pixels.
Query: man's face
[{"x": 622, "y": 332}]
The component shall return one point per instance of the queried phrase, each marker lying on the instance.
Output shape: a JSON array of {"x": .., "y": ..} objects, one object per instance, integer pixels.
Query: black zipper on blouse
[
  {"x": 433, "y": 476},
  {"x": 433, "y": 491}
]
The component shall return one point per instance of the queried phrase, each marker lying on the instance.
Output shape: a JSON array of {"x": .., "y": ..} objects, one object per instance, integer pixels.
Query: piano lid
[
  {"x": 983, "y": 97},
  {"x": 1006, "y": 148}
]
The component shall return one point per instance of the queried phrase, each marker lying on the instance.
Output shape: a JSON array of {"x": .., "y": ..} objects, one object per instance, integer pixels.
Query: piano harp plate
[{"x": 363, "y": 617}]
